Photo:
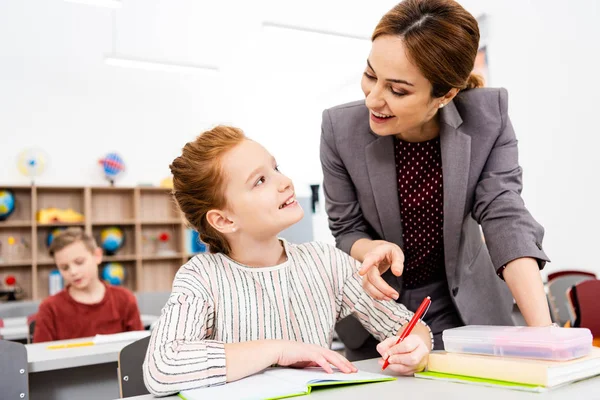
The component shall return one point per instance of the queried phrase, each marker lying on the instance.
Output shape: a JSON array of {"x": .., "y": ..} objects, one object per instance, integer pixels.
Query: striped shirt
[{"x": 216, "y": 300}]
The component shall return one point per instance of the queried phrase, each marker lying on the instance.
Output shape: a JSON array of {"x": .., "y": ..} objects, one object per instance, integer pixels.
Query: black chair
[{"x": 131, "y": 358}]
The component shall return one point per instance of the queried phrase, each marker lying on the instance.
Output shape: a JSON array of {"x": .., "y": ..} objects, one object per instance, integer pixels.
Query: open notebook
[{"x": 278, "y": 383}]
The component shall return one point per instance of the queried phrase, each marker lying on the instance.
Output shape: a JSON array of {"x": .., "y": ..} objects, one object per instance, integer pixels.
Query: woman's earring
[{"x": 441, "y": 105}]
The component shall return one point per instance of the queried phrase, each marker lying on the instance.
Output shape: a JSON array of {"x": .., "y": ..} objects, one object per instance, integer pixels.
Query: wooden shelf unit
[{"x": 142, "y": 213}]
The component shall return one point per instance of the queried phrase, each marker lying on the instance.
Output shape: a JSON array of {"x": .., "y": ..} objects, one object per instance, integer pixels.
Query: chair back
[
  {"x": 557, "y": 274},
  {"x": 557, "y": 295},
  {"x": 586, "y": 305},
  {"x": 131, "y": 358},
  {"x": 14, "y": 376}
]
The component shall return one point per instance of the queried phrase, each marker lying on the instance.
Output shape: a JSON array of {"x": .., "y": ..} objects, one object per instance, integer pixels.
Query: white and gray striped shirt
[{"x": 216, "y": 300}]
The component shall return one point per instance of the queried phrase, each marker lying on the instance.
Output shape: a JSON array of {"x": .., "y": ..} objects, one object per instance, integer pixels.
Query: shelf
[
  {"x": 157, "y": 257},
  {"x": 142, "y": 213},
  {"x": 46, "y": 261},
  {"x": 115, "y": 222},
  {"x": 15, "y": 224},
  {"x": 123, "y": 258},
  {"x": 60, "y": 224},
  {"x": 169, "y": 221},
  {"x": 20, "y": 263}
]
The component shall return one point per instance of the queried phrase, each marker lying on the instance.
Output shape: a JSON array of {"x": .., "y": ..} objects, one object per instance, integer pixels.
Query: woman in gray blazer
[{"x": 416, "y": 171}]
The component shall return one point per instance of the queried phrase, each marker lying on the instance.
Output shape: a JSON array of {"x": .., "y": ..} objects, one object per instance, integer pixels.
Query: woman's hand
[
  {"x": 378, "y": 260},
  {"x": 406, "y": 357},
  {"x": 301, "y": 355}
]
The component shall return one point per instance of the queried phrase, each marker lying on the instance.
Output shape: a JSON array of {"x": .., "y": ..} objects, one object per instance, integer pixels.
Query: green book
[
  {"x": 480, "y": 381},
  {"x": 279, "y": 383}
]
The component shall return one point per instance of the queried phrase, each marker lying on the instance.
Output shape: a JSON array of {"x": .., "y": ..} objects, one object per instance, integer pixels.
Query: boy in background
[{"x": 87, "y": 306}]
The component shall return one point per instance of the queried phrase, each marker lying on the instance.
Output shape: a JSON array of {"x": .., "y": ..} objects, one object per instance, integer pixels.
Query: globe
[
  {"x": 111, "y": 239},
  {"x": 7, "y": 204},
  {"x": 52, "y": 234},
  {"x": 113, "y": 273}
]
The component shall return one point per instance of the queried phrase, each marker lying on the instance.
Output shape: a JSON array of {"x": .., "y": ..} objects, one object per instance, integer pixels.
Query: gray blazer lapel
[
  {"x": 456, "y": 158},
  {"x": 382, "y": 174}
]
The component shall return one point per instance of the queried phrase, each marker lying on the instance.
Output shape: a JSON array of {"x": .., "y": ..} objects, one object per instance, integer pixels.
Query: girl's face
[
  {"x": 397, "y": 94},
  {"x": 260, "y": 200}
]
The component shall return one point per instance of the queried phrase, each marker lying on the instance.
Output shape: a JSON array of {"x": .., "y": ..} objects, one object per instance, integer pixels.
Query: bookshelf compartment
[
  {"x": 161, "y": 241},
  {"x": 44, "y": 279},
  {"x": 22, "y": 207},
  {"x": 63, "y": 199},
  {"x": 157, "y": 205},
  {"x": 129, "y": 280},
  {"x": 128, "y": 247},
  {"x": 23, "y": 280},
  {"x": 15, "y": 246},
  {"x": 158, "y": 275},
  {"x": 112, "y": 205}
]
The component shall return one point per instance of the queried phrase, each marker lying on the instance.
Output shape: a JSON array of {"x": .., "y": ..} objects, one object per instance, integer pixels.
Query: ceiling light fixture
[
  {"x": 153, "y": 65},
  {"x": 276, "y": 25},
  {"x": 99, "y": 3}
]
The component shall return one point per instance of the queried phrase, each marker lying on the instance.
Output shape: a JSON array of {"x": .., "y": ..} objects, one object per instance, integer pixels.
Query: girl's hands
[
  {"x": 406, "y": 357},
  {"x": 302, "y": 355}
]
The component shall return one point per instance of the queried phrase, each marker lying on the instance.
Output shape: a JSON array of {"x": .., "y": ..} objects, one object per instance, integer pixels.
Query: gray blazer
[{"x": 482, "y": 186}]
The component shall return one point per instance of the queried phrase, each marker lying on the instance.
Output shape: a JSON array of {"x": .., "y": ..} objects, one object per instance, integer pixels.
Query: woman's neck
[
  {"x": 429, "y": 130},
  {"x": 257, "y": 253}
]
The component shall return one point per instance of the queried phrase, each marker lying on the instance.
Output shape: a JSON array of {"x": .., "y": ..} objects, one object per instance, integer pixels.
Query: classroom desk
[
  {"x": 408, "y": 387},
  {"x": 16, "y": 328},
  {"x": 88, "y": 372}
]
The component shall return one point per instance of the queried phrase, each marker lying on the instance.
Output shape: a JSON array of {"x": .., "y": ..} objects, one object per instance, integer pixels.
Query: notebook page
[
  {"x": 317, "y": 374},
  {"x": 257, "y": 386}
]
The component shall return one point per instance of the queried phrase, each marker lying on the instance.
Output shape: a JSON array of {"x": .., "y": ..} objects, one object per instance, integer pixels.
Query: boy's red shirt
[{"x": 61, "y": 317}]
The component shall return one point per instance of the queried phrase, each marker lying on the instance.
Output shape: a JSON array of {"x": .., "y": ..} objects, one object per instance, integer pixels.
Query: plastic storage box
[{"x": 546, "y": 343}]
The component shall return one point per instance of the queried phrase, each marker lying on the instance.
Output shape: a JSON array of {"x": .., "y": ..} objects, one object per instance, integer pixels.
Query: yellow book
[{"x": 542, "y": 373}]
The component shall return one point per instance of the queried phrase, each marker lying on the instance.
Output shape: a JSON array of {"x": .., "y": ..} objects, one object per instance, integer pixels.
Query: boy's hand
[
  {"x": 406, "y": 357},
  {"x": 302, "y": 355}
]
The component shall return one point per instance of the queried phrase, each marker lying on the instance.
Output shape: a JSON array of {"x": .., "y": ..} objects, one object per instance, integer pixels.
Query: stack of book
[{"x": 520, "y": 358}]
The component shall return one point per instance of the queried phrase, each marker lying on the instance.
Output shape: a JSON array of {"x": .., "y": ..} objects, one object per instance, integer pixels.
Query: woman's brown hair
[
  {"x": 441, "y": 38},
  {"x": 198, "y": 181}
]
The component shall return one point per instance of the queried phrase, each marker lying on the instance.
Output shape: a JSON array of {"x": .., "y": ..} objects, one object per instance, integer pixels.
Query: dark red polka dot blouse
[{"x": 420, "y": 191}]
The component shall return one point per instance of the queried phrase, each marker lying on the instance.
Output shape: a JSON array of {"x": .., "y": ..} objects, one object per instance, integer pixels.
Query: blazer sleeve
[
  {"x": 345, "y": 216},
  {"x": 510, "y": 230}
]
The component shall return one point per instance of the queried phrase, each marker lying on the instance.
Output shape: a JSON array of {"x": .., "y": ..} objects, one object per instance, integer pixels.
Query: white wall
[{"x": 57, "y": 93}]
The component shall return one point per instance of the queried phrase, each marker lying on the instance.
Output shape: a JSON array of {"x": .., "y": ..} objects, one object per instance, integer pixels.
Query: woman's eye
[
  {"x": 371, "y": 77},
  {"x": 277, "y": 168},
  {"x": 400, "y": 93}
]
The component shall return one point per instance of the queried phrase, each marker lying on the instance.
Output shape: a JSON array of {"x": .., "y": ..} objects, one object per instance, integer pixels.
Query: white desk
[
  {"x": 407, "y": 387},
  {"x": 16, "y": 328},
  {"x": 88, "y": 372}
]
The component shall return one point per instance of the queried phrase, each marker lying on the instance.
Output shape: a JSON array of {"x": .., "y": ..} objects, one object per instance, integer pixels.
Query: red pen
[{"x": 411, "y": 324}]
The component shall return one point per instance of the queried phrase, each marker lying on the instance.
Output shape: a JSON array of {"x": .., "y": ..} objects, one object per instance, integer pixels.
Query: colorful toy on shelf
[
  {"x": 31, "y": 162},
  {"x": 167, "y": 183},
  {"x": 10, "y": 289},
  {"x": 163, "y": 246},
  {"x": 113, "y": 273},
  {"x": 55, "y": 282},
  {"x": 113, "y": 165},
  {"x": 7, "y": 204},
  {"x": 52, "y": 234},
  {"x": 193, "y": 244},
  {"x": 53, "y": 215},
  {"x": 111, "y": 239}
]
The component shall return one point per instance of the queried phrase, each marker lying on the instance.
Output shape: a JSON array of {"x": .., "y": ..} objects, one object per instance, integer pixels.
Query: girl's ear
[{"x": 218, "y": 220}]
